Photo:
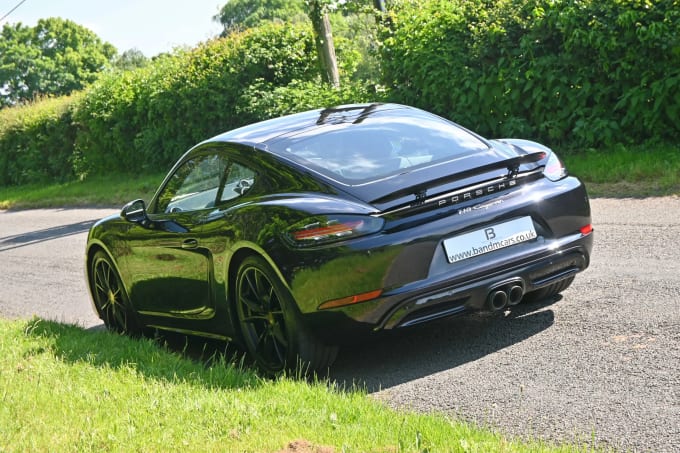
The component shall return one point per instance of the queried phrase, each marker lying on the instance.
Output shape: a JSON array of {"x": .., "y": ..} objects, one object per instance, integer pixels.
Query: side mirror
[{"x": 135, "y": 212}]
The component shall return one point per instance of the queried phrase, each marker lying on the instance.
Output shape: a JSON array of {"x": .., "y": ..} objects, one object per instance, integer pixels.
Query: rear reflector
[
  {"x": 349, "y": 300},
  {"x": 587, "y": 229}
]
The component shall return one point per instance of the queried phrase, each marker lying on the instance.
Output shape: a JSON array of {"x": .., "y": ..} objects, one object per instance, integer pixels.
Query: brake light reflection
[{"x": 355, "y": 299}]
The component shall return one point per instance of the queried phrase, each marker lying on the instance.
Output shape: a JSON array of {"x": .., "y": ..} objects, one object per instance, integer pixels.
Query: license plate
[{"x": 489, "y": 239}]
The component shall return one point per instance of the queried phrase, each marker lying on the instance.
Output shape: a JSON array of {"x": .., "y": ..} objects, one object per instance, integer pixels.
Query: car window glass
[
  {"x": 194, "y": 185},
  {"x": 379, "y": 145},
  {"x": 239, "y": 180}
]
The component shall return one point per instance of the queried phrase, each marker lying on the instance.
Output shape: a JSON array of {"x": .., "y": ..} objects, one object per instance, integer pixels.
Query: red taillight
[
  {"x": 316, "y": 232},
  {"x": 326, "y": 229},
  {"x": 355, "y": 299},
  {"x": 585, "y": 230}
]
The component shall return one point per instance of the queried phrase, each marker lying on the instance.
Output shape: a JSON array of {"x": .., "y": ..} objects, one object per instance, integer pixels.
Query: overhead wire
[{"x": 12, "y": 10}]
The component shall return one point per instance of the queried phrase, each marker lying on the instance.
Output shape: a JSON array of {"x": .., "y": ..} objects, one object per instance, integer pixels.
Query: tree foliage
[
  {"x": 575, "y": 73},
  {"x": 56, "y": 57},
  {"x": 238, "y": 15},
  {"x": 130, "y": 59}
]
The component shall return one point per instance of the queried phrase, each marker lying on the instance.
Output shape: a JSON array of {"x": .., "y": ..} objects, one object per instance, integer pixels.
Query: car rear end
[
  {"x": 489, "y": 254},
  {"x": 474, "y": 229}
]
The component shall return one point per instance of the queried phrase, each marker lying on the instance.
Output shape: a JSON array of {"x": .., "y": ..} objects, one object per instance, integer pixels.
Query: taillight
[
  {"x": 325, "y": 229},
  {"x": 554, "y": 169},
  {"x": 586, "y": 230}
]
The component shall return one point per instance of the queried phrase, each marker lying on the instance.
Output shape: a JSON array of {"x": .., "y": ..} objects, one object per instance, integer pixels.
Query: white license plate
[{"x": 489, "y": 239}]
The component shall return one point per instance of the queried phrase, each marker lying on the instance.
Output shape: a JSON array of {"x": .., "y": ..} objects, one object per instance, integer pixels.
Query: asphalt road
[{"x": 599, "y": 365}]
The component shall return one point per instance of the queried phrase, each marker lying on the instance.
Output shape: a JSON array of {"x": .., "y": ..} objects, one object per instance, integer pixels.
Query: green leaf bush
[
  {"x": 142, "y": 120},
  {"x": 261, "y": 100},
  {"x": 570, "y": 73},
  {"x": 36, "y": 142},
  {"x": 145, "y": 119},
  {"x": 576, "y": 73}
]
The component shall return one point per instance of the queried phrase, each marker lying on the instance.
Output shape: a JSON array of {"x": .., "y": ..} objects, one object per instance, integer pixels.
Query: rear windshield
[{"x": 378, "y": 146}]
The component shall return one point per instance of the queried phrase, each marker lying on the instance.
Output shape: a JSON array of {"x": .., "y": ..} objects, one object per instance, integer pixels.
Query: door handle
[{"x": 189, "y": 244}]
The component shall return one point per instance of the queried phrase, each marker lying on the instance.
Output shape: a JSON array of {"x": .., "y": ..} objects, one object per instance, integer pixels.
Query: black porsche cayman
[{"x": 294, "y": 234}]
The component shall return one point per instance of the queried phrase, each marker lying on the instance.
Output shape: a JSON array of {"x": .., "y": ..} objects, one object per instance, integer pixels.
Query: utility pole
[
  {"x": 323, "y": 37},
  {"x": 379, "y": 5}
]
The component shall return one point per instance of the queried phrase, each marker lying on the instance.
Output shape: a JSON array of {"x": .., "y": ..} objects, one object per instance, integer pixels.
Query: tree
[
  {"x": 56, "y": 57},
  {"x": 237, "y": 15},
  {"x": 131, "y": 59}
]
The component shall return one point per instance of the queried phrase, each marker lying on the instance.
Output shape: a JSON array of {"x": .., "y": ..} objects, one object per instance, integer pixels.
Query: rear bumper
[
  {"x": 453, "y": 294},
  {"x": 453, "y": 297}
]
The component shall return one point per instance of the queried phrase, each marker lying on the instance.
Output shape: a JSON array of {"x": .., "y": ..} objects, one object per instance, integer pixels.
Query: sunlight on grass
[
  {"x": 99, "y": 191},
  {"x": 63, "y": 388},
  {"x": 621, "y": 171}
]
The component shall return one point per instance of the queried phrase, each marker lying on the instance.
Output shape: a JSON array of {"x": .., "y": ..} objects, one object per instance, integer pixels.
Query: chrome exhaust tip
[
  {"x": 497, "y": 300},
  {"x": 515, "y": 294}
]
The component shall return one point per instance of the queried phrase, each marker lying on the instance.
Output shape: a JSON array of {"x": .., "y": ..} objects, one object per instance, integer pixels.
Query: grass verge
[
  {"x": 99, "y": 191},
  {"x": 66, "y": 389},
  {"x": 623, "y": 172}
]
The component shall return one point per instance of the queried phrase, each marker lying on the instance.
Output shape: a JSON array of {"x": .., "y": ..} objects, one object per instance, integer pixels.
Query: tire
[
  {"x": 110, "y": 298},
  {"x": 270, "y": 325},
  {"x": 548, "y": 291}
]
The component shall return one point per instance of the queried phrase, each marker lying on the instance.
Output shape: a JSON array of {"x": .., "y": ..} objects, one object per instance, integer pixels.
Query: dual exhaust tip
[{"x": 506, "y": 295}]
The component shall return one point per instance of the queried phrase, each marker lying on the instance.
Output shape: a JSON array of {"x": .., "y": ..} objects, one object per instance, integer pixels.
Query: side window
[
  {"x": 238, "y": 181},
  {"x": 194, "y": 185}
]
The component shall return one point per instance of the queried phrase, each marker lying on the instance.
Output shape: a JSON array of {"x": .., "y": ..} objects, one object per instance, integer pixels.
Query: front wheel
[
  {"x": 269, "y": 323},
  {"x": 110, "y": 299}
]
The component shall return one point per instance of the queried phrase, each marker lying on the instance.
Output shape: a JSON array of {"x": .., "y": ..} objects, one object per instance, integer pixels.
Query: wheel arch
[
  {"x": 92, "y": 249},
  {"x": 242, "y": 251}
]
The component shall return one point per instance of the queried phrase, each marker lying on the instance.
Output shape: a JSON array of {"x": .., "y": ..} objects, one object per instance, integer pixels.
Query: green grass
[
  {"x": 639, "y": 171},
  {"x": 100, "y": 191},
  {"x": 66, "y": 389}
]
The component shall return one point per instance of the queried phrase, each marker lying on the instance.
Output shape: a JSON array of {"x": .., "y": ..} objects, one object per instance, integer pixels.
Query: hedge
[
  {"x": 571, "y": 73},
  {"x": 145, "y": 119},
  {"x": 36, "y": 142},
  {"x": 578, "y": 73}
]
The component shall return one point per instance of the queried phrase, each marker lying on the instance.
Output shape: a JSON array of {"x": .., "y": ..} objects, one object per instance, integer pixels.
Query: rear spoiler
[{"x": 512, "y": 165}]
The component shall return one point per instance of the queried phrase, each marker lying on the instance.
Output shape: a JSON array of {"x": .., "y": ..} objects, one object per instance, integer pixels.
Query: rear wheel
[
  {"x": 110, "y": 298},
  {"x": 270, "y": 325},
  {"x": 548, "y": 291}
]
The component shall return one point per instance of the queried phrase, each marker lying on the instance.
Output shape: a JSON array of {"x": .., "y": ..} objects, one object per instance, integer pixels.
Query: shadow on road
[
  {"x": 402, "y": 357},
  {"x": 46, "y": 234}
]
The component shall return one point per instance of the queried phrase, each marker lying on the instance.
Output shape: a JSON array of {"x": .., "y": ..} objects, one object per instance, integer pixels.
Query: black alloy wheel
[
  {"x": 110, "y": 298},
  {"x": 269, "y": 324}
]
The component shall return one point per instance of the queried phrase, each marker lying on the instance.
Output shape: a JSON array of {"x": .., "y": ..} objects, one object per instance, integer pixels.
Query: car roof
[
  {"x": 379, "y": 176},
  {"x": 268, "y": 131}
]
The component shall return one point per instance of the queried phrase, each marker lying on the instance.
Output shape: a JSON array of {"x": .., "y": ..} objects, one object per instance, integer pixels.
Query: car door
[{"x": 169, "y": 264}]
